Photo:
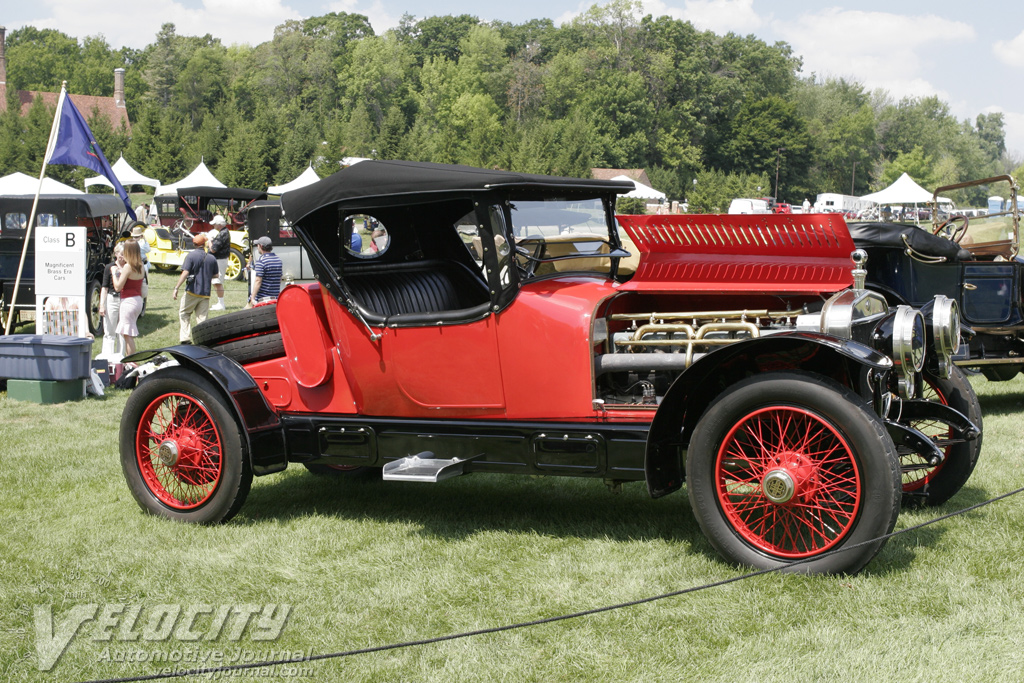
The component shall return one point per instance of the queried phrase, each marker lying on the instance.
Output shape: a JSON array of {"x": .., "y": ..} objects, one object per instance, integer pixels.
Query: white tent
[
  {"x": 308, "y": 177},
  {"x": 903, "y": 191},
  {"x": 124, "y": 173},
  {"x": 640, "y": 190},
  {"x": 200, "y": 177},
  {"x": 19, "y": 184}
]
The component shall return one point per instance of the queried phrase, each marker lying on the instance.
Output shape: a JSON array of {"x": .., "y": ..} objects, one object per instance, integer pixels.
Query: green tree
[
  {"x": 245, "y": 162},
  {"x": 768, "y": 136}
]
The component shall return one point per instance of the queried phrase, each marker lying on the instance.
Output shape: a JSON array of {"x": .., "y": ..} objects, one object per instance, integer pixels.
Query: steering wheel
[
  {"x": 955, "y": 233},
  {"x": 526, "y": 260}
]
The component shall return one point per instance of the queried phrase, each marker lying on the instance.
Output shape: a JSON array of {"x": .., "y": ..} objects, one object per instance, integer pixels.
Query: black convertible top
[
  {"x": 892, "y": 235},
  {"x": 369, "y": 179},
  {"x": 85, "y": 205},
  {"x": 210, "y": 192}
]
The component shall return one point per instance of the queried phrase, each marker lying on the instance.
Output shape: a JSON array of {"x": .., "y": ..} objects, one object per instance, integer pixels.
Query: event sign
[{"x": 60, "y": 280}]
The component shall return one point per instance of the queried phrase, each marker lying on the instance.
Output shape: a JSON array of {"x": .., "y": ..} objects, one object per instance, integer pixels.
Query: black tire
[
  {"x": 7, "y": 312},
  {"x": 181, "y": 449},
  {"x": 341, "y": 471},
  {"x": 236, "y": 265},
  {"x": 236, "y": 324},
  {"x": 92, "y": 302},
  {"x": 931, "y": 486},
  {"x": 792, "y": 434},
  {"x": 252, "y": 349}
]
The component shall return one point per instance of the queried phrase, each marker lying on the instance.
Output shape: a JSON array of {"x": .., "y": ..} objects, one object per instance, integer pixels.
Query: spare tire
[
  {"x": 253, "y": 349},
  {"x": 244, "y": 323}
]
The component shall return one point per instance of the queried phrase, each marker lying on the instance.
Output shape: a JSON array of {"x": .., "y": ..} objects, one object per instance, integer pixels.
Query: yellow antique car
[{"x": 191, "y": 211}]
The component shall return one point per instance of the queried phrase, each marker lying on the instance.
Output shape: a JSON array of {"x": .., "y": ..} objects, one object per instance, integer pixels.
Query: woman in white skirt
[
  {"x": 110, "y": 304},
  {"x": 129, "y": 286}
]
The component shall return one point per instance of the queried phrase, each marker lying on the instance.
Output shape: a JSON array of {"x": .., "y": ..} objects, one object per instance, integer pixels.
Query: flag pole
[{"x": 35, "y": 205}]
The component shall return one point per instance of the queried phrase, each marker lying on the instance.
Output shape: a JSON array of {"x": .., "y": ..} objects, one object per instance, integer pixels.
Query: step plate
[{"x": 422, "y": 467}]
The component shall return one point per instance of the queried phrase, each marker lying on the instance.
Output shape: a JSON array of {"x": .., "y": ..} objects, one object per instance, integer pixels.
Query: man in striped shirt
[{"x": 266, "y": 282}]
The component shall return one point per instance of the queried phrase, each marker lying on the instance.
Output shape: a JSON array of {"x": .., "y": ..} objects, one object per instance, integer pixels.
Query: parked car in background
[
  {"x": 103, "y": 216},
  {"x": 746, "y": 206},
  {"x": 494, "y": 331},
  {"x": 971, "y": 260},
  {"x": 190, "y": 211},
  {"x": 264, "y": 218}
]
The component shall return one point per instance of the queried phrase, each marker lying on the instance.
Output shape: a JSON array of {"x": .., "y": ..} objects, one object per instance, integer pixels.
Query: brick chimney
[
  {"x": 119, "y": 88},
  {"x": 3, "y": 56}
]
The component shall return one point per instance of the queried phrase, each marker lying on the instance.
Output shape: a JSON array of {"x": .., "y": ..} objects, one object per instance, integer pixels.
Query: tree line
[{"x": 709, "y": 116}]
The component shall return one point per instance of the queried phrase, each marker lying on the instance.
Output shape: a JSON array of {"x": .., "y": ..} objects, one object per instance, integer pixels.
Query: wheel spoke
[
  {"x": 811, "y": 454},
  {"x": 180, "y": 428}
]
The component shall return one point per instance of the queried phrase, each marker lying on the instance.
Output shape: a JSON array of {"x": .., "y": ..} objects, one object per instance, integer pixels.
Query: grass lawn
[{"x": 364, "y": 563}]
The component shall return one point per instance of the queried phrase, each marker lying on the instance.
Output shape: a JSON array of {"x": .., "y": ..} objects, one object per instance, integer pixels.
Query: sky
[{"x": 970, "y": 54}]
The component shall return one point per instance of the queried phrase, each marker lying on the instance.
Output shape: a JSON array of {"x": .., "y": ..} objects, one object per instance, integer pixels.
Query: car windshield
[
  {"x": 561, "y": 235},
  {"x": 555, "y": 217}
]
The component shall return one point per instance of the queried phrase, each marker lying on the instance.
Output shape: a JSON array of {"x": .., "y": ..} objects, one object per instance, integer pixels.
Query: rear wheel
[
  {"x": 924, "y": 484},
  {"x": 235, "y": 265},
  {"x": 92, "y": 301},
  {"x": 181, "y": 449},
  {"x": 787, "y": 467}
]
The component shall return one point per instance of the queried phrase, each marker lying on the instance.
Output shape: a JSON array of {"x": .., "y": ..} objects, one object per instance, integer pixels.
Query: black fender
[
  {"x": 848, "y": 362},
  {"x": 262, "y": 431}
]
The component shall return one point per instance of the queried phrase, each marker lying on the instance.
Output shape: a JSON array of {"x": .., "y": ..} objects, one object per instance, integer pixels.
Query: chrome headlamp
[
  {"x": 946, "y": 331},
  {"x": 909, "y": 337}
]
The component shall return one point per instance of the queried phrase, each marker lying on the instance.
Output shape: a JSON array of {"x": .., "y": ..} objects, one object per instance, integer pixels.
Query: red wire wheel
[
  {"x": 181, "y": 448},
  {"x": 788, "y": 482},
  {"x": 779, "y": 471},
  {"x": 933, "y": 485},
  {"x": 179, "y": 451}
]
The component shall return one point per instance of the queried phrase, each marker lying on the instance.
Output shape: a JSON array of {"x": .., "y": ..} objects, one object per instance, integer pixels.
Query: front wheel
[
  {"x": 929, "y": 485},
  {"x": 786, "y": 467},
  {"x": 181, "y": 449}
]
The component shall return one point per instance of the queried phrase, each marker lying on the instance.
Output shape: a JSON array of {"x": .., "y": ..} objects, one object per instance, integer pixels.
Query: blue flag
[{"x": 74, "y": 145}]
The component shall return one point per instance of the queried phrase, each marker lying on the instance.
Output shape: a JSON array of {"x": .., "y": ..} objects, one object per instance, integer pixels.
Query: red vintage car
[{"x": 467, "y": 320}]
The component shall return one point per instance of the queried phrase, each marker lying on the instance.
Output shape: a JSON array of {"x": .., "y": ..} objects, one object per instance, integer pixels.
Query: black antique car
[
  {"x": 103, "y": 216},
  {"x": 264, "y": 218},
  {"x": 972, "y": 260}
]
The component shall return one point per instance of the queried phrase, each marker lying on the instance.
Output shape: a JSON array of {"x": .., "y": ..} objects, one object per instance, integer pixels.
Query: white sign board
[{"x": 60, "y": 281}]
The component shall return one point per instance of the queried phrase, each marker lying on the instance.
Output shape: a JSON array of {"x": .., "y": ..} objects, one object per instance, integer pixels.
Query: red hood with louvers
[{"x": 741, "y": 253}]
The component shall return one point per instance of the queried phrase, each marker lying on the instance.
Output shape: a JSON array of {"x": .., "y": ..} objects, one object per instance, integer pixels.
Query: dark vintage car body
[
  {"x": 465, "y": 320},
  {"x": 981, "y": 270},
  {"x": 101, "y": 214}
]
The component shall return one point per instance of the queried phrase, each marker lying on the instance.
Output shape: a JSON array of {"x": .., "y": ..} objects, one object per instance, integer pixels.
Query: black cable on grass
[{"x": 548, "y": 620}]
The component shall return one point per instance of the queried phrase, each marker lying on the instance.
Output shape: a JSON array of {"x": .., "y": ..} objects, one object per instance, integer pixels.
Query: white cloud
[
  {"x": 720, "y": 16},
  {"x": 1010, "y": 52},
  {"x": 878, "y": 49},
  {"x": 380, "y": 19},
  {"x": 136, "y": 24},
  {"x": 1013, "y": 126}
]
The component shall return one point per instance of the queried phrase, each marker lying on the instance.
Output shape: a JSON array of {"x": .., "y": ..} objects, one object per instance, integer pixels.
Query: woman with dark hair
[{"x": 129, "y": 286}]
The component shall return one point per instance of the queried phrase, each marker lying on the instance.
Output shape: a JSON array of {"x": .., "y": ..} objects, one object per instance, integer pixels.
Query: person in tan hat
[
  {"x": 139, "y": 235},
  {"x": 197, "y": 272}
]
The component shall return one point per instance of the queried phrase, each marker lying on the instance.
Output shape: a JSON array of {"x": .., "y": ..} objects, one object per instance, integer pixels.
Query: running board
[{"x": 424, "y": 467}]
